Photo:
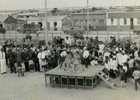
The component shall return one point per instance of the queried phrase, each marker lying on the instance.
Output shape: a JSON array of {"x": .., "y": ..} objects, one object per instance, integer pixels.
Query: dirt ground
[{"x": 32, "y": 87}]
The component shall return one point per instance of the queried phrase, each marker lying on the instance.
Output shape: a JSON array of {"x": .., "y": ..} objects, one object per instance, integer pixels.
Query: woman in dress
[
  {"x": 76, "y": 61},
  {"x": 68, "y": 60},
  {"x": 2, "y": 61}
]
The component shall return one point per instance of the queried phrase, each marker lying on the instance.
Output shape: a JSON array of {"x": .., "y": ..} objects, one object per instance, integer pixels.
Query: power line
[{"x": 113, "y": 3}]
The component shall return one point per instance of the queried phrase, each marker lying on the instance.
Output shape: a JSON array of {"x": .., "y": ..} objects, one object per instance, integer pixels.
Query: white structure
[{"x": 55, "y": 23}]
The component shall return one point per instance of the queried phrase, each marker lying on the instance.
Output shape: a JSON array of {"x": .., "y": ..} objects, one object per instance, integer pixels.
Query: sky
[{"x": 30, "y": 4}]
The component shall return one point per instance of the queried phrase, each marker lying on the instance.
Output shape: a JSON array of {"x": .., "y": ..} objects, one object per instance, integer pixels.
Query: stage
[{"x": 83, "y": 79}]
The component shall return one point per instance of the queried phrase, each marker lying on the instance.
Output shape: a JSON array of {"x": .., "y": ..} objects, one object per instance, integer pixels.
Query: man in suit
[
  {"x": 11, "y": 57},
  {"x": 25, "y": 58}
]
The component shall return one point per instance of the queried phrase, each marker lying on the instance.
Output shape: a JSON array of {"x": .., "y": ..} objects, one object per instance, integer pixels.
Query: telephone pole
[{"x": 46, "y": 31}]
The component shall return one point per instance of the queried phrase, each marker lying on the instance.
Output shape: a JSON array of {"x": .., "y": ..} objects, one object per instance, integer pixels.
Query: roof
[
  {"x": 11, "y": 19},
  {"x": 89, "y": 13},
  {"x": 3, "y": 17},
  {"x": 124, "y": 14},
  {"x": 49, "y": 18}
]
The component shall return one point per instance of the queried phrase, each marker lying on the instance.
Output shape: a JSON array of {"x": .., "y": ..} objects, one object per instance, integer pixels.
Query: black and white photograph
[{"x": 69, "y": 50}]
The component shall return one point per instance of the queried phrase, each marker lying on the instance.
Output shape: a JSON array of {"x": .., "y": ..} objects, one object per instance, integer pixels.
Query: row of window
[
  {"x": 125, "y": 21},
  {"x": 83, "y": 23}
]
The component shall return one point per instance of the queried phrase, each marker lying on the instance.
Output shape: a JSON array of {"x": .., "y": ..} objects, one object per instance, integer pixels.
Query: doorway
[
  {"x": 55, "y": 26},
  {"x": 131, "y": 23}
]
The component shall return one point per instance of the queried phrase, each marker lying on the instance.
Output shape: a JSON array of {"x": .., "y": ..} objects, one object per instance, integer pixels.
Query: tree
[
  {"x": 2, "y": 30},
  {"x": 94, "y": 8},
  {"x": 54, "y": 11}
]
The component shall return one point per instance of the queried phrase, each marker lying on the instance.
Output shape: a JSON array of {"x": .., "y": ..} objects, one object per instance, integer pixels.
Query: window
[
  {"x": 55, "y": 26},
  {"x": 27, "y": 16},
  {"x": 75, "y": 23},
  {"x": 138, "y": 21},
  {"x": 48, "y": 25},
  {"x": 32, "y": 22},
  {"x": 101, "y": 22},
  {"x": 112, "y": 21},
  {"x": 125, "y": 21}
]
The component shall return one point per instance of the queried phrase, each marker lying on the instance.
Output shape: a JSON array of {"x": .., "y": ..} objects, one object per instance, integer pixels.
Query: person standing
[
  {"x": 41, "y": 56},
  {"x": 67, "y": 41},
  {"x": 11, "y": 57},
  {"x": 25, "y": 58},
  {"x": 136, "y": 75},
  {"x": 2, "y": 61},
  {"x": 68, "y": 60},
  {"x": 86, "y": 58},
  {"x": 36, "y": 61},
  {"x": 76, "y": 61}
]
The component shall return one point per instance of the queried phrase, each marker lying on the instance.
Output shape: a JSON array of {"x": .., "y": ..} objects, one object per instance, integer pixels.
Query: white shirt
[
  {"x": 101, "y": 47},
  {"x": 41, "y": 55},
  {"x": 119, "y": 56},
  {"x": 68, "y": 41},
  {"x": 86, "y": 54},
  {"x": 63, "y": 54},
  {"x": 114, "y": 65},
  {"x": 106, "y": 54},
  {"x": 47, "y": 52},
  {"x": 136, "y": 55},
  {"x": 125, "y": 68},
  {"x": 124, "y": 58},
  {"x": 107, "y": 66}
]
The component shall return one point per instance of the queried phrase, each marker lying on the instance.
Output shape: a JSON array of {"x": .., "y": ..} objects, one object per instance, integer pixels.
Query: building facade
[
  {"x": 123, "y": 21},
  {"x": 54, "y": 23},
  {"x": 97, "y": 21}
]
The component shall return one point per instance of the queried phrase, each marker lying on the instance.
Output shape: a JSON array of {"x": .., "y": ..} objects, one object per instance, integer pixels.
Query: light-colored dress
[
  {"x": 68, "y": 59},
  {"x": 2, "y": 62},
  {"x": 76, "y": 59}
]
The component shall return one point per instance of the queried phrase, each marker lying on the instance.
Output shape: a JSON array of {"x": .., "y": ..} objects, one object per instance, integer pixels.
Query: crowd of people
[{"x": 116, "y": 59}]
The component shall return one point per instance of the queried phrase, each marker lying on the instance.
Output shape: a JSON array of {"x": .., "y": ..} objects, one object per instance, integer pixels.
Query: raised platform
[{"x": 84, "y": 79}]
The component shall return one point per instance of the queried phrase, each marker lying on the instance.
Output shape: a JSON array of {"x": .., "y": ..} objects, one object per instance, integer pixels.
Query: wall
[{"x": 51, "y": 23}]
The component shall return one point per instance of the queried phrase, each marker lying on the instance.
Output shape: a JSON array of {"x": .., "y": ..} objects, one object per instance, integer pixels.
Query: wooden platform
[{"x": 83, "y": 79}]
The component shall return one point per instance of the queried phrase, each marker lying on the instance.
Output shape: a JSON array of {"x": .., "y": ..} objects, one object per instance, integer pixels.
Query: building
[
  {"x": 97, "y": 20},
  {"x": 11, "y": 23},
  {"x": 55, "y": 23},
  {"x": 123, "y": 21}
]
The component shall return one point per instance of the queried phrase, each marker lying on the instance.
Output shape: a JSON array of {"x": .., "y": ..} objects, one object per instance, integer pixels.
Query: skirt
[
  {"x": 68, "y": 61},
  {"x": 76, "y": 62}
]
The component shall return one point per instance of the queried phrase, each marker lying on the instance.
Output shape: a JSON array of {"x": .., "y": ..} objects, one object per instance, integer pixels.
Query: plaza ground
[{"x": 32, "y": 87}]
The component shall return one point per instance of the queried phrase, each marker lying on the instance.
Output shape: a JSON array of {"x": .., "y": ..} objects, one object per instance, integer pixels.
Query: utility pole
[
  {"x": 46, "y": 31},
  {"x": 87, "y": 19}
]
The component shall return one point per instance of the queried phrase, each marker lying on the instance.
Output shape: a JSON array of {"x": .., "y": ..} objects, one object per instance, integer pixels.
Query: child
[
  {"x": 100, "y": 58},
  {"x": 131, "y": 65},
  {"x": 22, "y": 69},
  {"x": 68, "y": 61},
  {"x": 31, "y": 65},
  {"x": 114, "y": 67},
  {"x": 107, "y": 66},
  {"x": 122, "y": 77},
  {"x": 76, "y": 61},
  {"x": 136, "y": 75},
  {"x": 18, "y": 69}
]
